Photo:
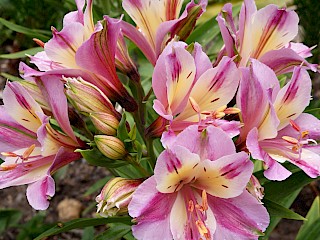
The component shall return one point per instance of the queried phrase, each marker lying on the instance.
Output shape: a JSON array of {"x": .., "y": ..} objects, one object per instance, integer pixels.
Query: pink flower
[
  {"x": 275, "y": 129},
  {"x": 265, "y": 35},
  {"x": 32, "y": 149},
  {"x": 81, "y": 49},
  {"x": 198, "y": 191},
  {"x": 158, "y": 22},
  {"x": 190, "y": 91}
]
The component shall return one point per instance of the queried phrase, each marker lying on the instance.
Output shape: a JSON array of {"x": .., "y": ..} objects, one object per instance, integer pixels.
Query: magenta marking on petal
[
  {"x": 232, "y": 170},
  {"x": 174, "y": 163}
]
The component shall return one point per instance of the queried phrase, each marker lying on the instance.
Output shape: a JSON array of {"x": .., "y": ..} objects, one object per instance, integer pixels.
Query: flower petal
[
  {"x": 148, "y": 15},
  {"x": 38, "y": 193},
  {"x": 284, "y": 60},
  {"x": 174, "y": 168},
  {"x": 21, "y": 106},
  {"x": 225, "y": 177},
  {"x": 294, "y": 97},
  {"x": 272, "y": 29},
  {"x": 98, "y": 56},
  {"x": 64, "y": 44},
  {"x": 215, "y": 88},
  {"x": 256, "y": 107},
  {"x": 242, "y": 217},
  {"x": 227, "y": 29},
  {"x": 178, "y": 65},
  {"x": 151, "y": 210},
  {"x": 52, "y": 89}
]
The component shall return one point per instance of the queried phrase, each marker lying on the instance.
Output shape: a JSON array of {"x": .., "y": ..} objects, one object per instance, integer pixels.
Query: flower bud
[
  {"x": 86, "y": 97},
  {"x": 104, "y": 122},
  {"x": 116, "y": 196},
  {"x": 255, "y": 189},
  {"x": 110, "y": 146}
]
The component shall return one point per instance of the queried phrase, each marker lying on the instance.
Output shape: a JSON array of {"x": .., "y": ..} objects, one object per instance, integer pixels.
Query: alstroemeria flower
[
  {"x": 189, "y": 90},
  {"x": 158, "y": 23},
  {"x": 198, "y": 192},
  {"x": 275, "y": 130},
  {"x": 265, "y": 35},
  {"x": 31, "y": 148},
  {"x": 80, "y": 49}
]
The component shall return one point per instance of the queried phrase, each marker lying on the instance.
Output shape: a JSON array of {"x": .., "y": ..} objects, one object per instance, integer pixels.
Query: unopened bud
[
  {"x": 110, "y": 146},
  {"x": 86, "y": 97},
  {"x": 116, "y": 196},
  {"x": 104, "y": 122},
  {"x": 255, "y": 189}
]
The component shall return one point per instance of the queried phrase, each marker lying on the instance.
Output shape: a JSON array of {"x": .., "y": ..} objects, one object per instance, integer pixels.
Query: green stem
[
  {"x": 139, "y": 115},
  {"x": 152, "y": 156},
  {"x": 138, "y": 166}
]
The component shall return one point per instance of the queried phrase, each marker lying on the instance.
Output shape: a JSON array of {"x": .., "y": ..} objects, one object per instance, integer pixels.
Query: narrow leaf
[
  {"x": 277, "y": 210},
  {"x": 41, "y": 34},
  {"x": 22, "y": 54},
  {"x": 115, "y": 232},
  {"x": 312, "y": 217},
  {"x": 82, "y": 223}
]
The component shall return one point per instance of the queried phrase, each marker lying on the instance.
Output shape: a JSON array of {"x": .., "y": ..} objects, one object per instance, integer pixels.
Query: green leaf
[
  {"x": 129, "y": 236},
  {"x": 36, "y": 33},
  {"x": 8, "y": 218},
  {"x": 11, "y": 77},
  {"x": 115, "y": 232},
  {"x": 309, "y": 229},
  {"x": 312, "y": 232},
  {"x": 22, "y": 54},
  {"x": 284, "y": 193},
  {"x": 122, "y": 132},
  {"x": 96, "y": 158},
  {"x": 88, "y": 233},
  {"x": 277, "y": 191},
  {"x": 277, "y": 210},
  {"x": 82, "y": 223}
]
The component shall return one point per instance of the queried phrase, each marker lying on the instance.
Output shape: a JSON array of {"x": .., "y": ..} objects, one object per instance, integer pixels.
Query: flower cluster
[{"x": 215, "y": 119}]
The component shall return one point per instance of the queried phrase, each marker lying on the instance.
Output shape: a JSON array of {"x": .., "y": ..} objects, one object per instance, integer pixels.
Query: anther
[
  {"x": 9, "y": 154},
  {"x": 290, "y": 140},
  {"x": 204, "y": 200},
  {"x": 28, "y": 152},
  {"x": 190, "y": 206}
]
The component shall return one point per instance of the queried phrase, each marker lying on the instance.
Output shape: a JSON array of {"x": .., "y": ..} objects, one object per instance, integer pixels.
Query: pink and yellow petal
[
  {"x": 64, "y": 44},
  {"x": 175, "y": 168},
  {"x": 151, "y": 210},
  {"x": 272, "y": 29},
  {"x": 294, "y": 97},
  {"x": 22, "y": 107},
  {"x": 216, "y": 87},
  {"x": 225, "y": 177},
  {"x": 242, "y": 217}
]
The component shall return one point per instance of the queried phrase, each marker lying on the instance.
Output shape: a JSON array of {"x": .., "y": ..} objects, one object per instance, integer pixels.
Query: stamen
[
  {"x": 295, "y": 126},
  {"x": 204, "y": 200},
  {"x": 304, "y": 134},
  {"x": 221, "y": 109},
  {"x": 201, "y": 227},
  {"x": 28, "y": 152},
  {"x": 191, "y": 206},
  {"x": 9, "y": 154},
  {"x": 232, "y": 110},
  {"x": 290, "y": 140},
  {"x": 39, "y": 42},
  {"x": 8, "y": 167}
]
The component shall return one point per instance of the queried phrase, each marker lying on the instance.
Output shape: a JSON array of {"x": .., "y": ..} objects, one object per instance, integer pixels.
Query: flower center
[{"x": 197, "y": 216}]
